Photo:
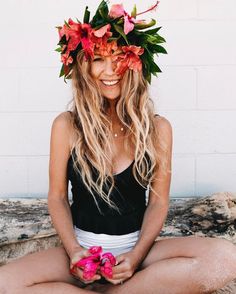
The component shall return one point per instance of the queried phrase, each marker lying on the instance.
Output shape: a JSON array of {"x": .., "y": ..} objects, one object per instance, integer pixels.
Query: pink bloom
[
  {"x": 130, "y": 59},
  {"x": 105, "y": 30},
  {"x": 128, "y": 23},
  {"x": 116, "y": 10},
  {"x": 91, "y": 263},
  {"x": 95, "y": 249},
  {"x": 107, "y": 262}
]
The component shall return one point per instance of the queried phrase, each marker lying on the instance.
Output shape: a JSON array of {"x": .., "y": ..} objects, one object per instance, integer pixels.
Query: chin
[{"x": 111, "y": 97}]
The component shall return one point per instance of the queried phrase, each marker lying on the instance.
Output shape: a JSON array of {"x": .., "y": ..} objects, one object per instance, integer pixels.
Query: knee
[
  {"x": 218, "y": 265},
  {"x": 224, "y": 252},
  {"x": 8, "y": 283}
]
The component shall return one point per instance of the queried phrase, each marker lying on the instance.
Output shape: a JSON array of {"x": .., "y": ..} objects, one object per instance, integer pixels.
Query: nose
[{"x": 109, "y": 66}]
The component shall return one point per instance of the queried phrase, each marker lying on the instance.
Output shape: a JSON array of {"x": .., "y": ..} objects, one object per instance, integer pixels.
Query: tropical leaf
[
  {"x": 58, "y": 49},
  {"x": 86, "y": 15},
  {"x": 102, "y": 11},
  {"x": 62, "y": 72},
  {"x": 152, "y": 31},
  {"x": 141, "y": 26},
  {"x": 155, "y": 39},
  {"x": 134, "y": 11},
  {"x": 120, "y": 31}
]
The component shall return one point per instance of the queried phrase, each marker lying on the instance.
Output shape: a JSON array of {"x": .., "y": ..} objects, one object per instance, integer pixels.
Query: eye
[{"x": 97, "y": 59}]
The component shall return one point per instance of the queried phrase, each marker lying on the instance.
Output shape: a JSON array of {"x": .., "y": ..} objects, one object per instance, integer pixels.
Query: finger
[
  {"x": 119, "y": 259},
  {"x": 115, "y": 282},
  {"x": 120, "y": 276},
  {"x": 119, "y": 268}
]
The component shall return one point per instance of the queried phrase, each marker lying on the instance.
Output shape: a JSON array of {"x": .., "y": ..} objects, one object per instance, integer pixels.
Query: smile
[{"x": 110, "y": 83}]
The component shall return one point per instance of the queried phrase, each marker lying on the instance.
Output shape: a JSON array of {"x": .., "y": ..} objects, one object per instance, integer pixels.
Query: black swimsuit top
[{"x": 128, "y": 195}]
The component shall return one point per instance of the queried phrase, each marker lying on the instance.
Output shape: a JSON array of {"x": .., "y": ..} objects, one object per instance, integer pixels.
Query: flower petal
[
  {"x": 128, "y": 24},
  {"x": 116, "y": 10},
  {"x": 102, "y": 31}
]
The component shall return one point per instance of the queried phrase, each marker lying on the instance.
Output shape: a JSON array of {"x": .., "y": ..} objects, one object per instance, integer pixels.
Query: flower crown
[{"x": 107, "y": 32}]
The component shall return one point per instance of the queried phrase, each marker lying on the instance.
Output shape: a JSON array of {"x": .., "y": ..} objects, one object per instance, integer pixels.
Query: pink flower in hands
[
  {"x": 91, "y": 263},
  {"x": 107, "y": 262},
  {"x": 90, "y": 269}
]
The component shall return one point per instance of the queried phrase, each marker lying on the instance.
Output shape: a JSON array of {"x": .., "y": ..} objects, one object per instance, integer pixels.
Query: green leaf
[
  {"x": 134, "y": 11},
  {"x": 66, "y": 23},
  {"x": 141, "y": 26},
  {"x": 102, "y": 11},
  {"x": 159, "y": 49},
  {"x": 62, "y": 72},
  {"x": 58, "y": 49},
  {"x": 152, "y": 31},
  {"x": 155, "y": 39},
  {"x": 120, "y": 31},
  {"x": 86, "y": 15}
]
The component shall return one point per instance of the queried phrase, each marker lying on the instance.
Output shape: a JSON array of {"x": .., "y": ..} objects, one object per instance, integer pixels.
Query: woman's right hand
[{"x": 78, "y": 272}]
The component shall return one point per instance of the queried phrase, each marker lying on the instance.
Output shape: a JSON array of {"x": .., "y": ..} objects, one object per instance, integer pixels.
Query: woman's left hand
[{"x": 126, "y": 264}]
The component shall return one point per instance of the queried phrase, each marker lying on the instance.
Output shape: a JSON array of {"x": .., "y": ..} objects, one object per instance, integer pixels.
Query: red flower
[{"x": 130, "y": 59}]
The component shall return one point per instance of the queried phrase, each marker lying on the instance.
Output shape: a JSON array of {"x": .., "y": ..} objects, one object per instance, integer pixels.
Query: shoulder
[
  {"x": 62, "y": 120},
  {"x": 163, "y": 125},
  {"x": 62, "y": 126}
]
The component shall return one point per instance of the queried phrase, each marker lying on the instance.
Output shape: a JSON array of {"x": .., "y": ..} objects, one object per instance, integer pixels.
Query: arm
[
  {"x": 155, "y": 213},
  {"x": 58, "y": 203}
]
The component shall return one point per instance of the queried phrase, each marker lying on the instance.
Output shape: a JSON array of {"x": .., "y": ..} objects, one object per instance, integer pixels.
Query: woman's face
[{"x": 103, "y": 71}]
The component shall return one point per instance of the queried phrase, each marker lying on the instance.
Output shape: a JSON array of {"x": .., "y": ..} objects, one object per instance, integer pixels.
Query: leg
[
  {"x": 182, "y": 266},
  {"x": 42, "y": 272}
]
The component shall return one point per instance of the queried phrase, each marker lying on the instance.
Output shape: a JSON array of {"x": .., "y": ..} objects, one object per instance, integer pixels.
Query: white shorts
[{"x": 116, "y": 244}]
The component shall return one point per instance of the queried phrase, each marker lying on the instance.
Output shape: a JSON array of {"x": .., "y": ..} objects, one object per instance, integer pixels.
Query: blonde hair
[{"x": 93, "y": 130}]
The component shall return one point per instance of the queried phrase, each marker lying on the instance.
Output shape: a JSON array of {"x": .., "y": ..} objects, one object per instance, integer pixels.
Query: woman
[{"x": 112, "y": 148}]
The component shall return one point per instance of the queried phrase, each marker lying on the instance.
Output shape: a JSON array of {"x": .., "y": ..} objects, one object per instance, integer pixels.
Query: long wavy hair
[{"x": 93, "y": 130}]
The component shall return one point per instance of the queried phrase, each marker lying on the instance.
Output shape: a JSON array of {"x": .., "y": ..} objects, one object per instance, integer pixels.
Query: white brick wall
[{"x": 195, "y": 91}]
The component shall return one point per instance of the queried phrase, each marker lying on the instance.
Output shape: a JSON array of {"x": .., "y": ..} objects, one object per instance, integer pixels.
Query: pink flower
[
  {"x": 117, "y": 10},
  {"x": 107, "y": 262},
  {"x": 103, "y": 31},
  {"x": 130, "y": 59},
  {"x": 91, "y": 264}
]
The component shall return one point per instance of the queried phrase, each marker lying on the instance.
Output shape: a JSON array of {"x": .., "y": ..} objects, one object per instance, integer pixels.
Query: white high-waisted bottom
[{"x": 116, "y": 244}]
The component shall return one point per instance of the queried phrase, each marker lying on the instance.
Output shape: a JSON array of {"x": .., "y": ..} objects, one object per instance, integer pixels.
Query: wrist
[{"x": 73, "y": 249}]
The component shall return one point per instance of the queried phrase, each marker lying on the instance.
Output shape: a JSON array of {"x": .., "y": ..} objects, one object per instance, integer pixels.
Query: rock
[
  {"x": 25, "y": 224},
  {"x": 212, "y": 216}
]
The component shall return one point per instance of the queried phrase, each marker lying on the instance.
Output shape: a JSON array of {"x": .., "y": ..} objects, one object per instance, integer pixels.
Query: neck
[{"x": 111, "y": 109}]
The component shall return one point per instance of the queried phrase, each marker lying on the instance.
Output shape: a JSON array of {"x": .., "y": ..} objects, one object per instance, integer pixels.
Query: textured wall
[{"x": 195, "y": 91}]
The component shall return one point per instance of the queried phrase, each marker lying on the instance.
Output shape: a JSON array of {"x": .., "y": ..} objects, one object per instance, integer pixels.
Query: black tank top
[{"x": 128, "y": 195}]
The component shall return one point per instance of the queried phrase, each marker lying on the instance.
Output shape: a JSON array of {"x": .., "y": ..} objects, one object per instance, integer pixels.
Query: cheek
[{"x": 96, "y": 70}]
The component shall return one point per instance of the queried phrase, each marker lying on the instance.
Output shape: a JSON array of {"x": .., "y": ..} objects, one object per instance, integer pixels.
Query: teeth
[{"x": 110, "y": 83}]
